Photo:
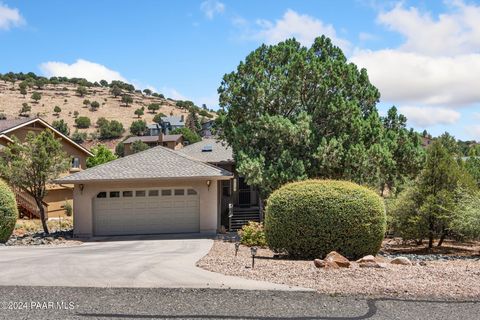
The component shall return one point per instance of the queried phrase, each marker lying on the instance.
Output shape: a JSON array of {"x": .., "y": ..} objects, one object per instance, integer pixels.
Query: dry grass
[
  {"x": 457, "y": 279},
  {"x": 24, "y": 226},
  {"x": 112, "y": 109}
]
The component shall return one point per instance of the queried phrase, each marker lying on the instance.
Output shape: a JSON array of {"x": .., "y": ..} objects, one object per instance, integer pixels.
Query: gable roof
[
  {"x": 220, "y": 152},
  {"x": 153, "y": 164},
  {"x": 7, "y": 126}
]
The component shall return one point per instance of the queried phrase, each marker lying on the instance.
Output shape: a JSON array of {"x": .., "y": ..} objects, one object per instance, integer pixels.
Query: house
[
  {"x": 171, "y": 141},
  {"x": 170, "y": 123},
  {"x": 207, "y": 128},
  {"x": 154, "y": 129},
  {"x": 151, "y": 192},
  {"x": 244, "y": 198},
  {"x": 57, "y": 194}
]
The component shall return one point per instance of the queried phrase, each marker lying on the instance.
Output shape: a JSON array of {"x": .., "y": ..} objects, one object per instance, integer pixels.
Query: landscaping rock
[
  {"x": 325, "y": 264},
  {"x": 370, "y": 264},
  {"x": 338, "y": 259},
  {"x": 368, "y": 258},
  {"x": 401, "y": 261}
]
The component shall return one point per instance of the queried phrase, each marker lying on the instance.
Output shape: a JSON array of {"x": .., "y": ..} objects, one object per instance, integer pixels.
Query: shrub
[
  {"x": 79, "y": 137},
  {"x": 311, "y": 218},
  {"x": 8, "y": 212},
  {"x": 138, "y": 127},
  {"x": 139, "y": 146},
  {"x": 188, "y": 135},
  {"x": 83, "y": 122},
  {"x": 158, "y": 117},
  {"x": 61, "y": 126},
  {"x": 111, "y": 129},
  {"x": 68, "y": 208},
  {"x": 252, "y": 234}
]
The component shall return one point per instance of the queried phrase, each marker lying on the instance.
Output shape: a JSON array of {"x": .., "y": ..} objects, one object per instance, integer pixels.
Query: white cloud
[
  {"x": 412, "y": 77},
  {"x": 172, "y": 93},
  {"x": 438, "y": 64},
  {"x": 9, "y": 17},
  {"x": 301, "y": 26},
  {"x": 212, "y": 7},
  {"x": 80, "y": 69},
  {"x": 476, "y": 115},
  {"x": 456, "y": 32},
  {"x": 430, "y": 116},
  {"x": 365, "y": 36}
]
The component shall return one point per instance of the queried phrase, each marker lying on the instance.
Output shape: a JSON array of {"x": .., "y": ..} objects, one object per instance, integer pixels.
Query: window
[
  {"x": 114, "y": 194},
  {"x": 75, "y": 162},
  {"x": 191, "y": 192},
  {"x": 166, "y": 192},
  {"x": 179, "y": 192},
  {"x": 140, "y": 193},
  {"x": 127, "y": 194},
  {"x": 102, "y": 195},
  {"x": 153, "y": 193}
]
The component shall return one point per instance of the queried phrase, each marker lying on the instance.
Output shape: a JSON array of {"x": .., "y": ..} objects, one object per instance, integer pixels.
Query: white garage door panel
[{"x": 146, "y": 215}]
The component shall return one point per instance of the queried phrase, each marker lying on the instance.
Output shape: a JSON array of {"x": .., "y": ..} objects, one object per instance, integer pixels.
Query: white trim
[
  {"x": 51, "y": 128},
  {"x": 6, "y": 137}
]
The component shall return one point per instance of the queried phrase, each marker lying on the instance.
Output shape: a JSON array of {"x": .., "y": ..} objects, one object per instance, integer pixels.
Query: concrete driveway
[{"x": 139, "y": 263}]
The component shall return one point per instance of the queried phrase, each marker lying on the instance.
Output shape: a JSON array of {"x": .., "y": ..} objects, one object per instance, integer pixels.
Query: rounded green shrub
[
  {"x": 8, "y": 212},
  {"x": 309, "y": 219},
  {"x": 252, "y": 234}
]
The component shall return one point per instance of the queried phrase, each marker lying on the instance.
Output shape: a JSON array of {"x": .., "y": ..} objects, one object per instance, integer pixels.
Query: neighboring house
[
  {"x": 151, "y": 192},
  {"x": 207, "y": 128},
  {"x": 57, "y": 195},
  {"x": 426, "y": 142},
  {"x": 154, "y": 129},
  {"x": 170, "y": 123},
  {"x": 244, "y": 198},
  {"x": 171, "y": 141}
]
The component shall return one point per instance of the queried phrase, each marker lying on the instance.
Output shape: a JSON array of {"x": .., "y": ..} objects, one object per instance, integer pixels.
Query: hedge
[
  {"x": 8, "y": 212},
  {"x": 309, "y": 219}
]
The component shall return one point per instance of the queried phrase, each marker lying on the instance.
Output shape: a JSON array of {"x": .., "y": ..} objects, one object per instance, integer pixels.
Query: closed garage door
[{"x": 146, "y": 211}]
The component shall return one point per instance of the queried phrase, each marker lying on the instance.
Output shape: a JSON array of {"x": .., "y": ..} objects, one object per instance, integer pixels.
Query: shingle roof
[
  {"x": 220, "y": 152},
  {"x": 166, "y": 138},
  {"x": 144, "y": 139},
  {"x": 174, "y": 120},
  {"x": 11, "y": 123},
  {"x": 155, "y": 163}
]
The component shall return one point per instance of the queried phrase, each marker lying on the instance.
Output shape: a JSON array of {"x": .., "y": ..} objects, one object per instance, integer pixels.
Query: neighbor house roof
[
  {"x": 9, "y": 125},
  {"x": 143, "y": 139},
  {"x": 166, "y": 138},
  {"x": 208, "y": 150},
  {"x": 153, "y": 164},
  {"x": 174, "y": 120}
]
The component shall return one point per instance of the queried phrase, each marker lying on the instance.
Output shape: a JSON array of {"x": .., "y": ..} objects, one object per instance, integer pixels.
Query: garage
[
  {"x": 156, "y": 191},
  {"x": 146, "y": 211}
]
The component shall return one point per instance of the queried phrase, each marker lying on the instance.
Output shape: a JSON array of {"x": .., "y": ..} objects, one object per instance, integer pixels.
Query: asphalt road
[{"x": 155, "y": 303}]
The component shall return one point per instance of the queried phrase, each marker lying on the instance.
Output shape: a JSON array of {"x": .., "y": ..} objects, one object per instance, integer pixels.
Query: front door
[{"x": 244, "y": 193}]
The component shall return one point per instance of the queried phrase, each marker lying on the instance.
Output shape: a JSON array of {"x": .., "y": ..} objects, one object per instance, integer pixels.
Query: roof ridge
[{"x": 192, "y": 159}]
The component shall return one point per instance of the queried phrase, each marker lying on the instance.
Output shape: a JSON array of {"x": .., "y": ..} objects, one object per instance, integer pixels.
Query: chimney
[
  {"x": 160, "y": 137},
  {"x": 182, "y": 117}
]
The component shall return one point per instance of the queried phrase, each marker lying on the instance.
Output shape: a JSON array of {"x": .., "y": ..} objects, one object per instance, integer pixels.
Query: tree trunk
[
  {"x": 430, "y": 240},
  {"x": 444, "y": 234},
  {"x": 42, "y": 215}
]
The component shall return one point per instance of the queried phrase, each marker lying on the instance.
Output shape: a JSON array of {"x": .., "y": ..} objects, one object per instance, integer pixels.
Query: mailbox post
[{"x": 230, "y": 215}]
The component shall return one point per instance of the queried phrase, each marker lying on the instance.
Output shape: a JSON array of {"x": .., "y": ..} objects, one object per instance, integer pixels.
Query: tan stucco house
[
  {"x": 151, "y": 192},
  {"x": 57, "y": 194}
]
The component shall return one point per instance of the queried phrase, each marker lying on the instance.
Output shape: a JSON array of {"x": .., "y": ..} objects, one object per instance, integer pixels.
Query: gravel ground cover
[{"x": 443, "y": 279}]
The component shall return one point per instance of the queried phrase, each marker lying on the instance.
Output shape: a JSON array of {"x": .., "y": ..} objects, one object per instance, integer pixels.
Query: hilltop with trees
[{"x": 80, "y": 104}]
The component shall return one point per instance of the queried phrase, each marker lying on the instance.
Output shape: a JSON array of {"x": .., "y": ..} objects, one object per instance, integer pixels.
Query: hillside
[{"x": 64, "y": 95}]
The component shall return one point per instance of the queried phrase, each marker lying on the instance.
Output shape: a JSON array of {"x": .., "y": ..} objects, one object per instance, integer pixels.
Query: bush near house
[
  {"x": 311, "y": 218},
  {"x": 8, "y": 212},
  {"x": 252, "y": 234}
]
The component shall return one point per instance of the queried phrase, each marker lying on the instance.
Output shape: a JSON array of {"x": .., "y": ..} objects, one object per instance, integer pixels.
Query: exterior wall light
[{"x": 209, "y": 182}]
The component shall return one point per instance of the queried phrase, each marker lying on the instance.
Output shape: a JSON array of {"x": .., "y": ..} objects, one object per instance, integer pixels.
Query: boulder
[
  {"x": 325, "y": 264},
  {"x": 338, "y": 259},
  {"x": 402, "y": 261},
  {"x": 368, "y": 258}
]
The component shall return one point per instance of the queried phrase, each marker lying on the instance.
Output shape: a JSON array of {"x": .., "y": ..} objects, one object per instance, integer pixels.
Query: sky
[{"x": 423, "y": 56}]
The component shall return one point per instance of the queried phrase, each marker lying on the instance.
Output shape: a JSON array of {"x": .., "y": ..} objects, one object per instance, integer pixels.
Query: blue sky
[{"x": 424, "y": 56}]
